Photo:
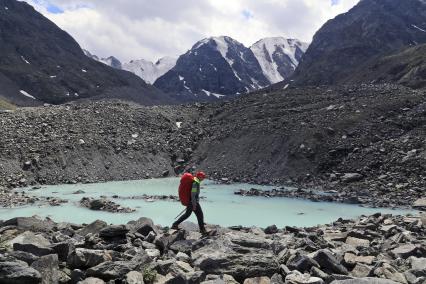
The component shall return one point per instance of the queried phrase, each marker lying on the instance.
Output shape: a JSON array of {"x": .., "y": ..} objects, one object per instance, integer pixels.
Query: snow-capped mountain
[
  {"x": 278, "y": 57},
  {"x": 221, "y": 66},
  {"x": 214, "y": 67},
  {"x": 110, "y": 61},
  {"x": 149, "y": 71}
]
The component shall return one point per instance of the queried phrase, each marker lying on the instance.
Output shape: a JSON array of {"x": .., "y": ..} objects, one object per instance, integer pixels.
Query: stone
[
  {"x": 389, "y": 272},
  {"x": 134, "y": 277},
  {"x": 420, "y": 203},
  {"x": 32, "y": 243},
  {"x": 111, "y": 270},
  {"x": 83, "y": 258},
  {"x": 271, "y": 230},
  {"x": 328, "y": 262},
  {"x": 361, "y": 270},
  {"x": 366, "y": 280},
  {"x": 417, "y": 263},
  {"x": 143, "y": 226},
  {"x": 77, "y": 275},
  {"x": 91, "y": 280},
  {"x": 113, "y": 231},
  {"x": 352, "y": 259},
  {"x": 24, "y": 256},
  {"x": 302, "y": 263},
  {"x": 357, "y": 242},
  {"x": 351, "y": 177},
  {"x": 257, "y": 280},
  {"x": 298, "y": 278},
  {"x": 153, "y": 253},
  {"x": 48, "y": 266},
  {"x": 183, "y": 257},
  {"x": 405, "y": 251},
  {"x": 93, "y": 228},
  {"x": 277, "y": 279},
  {"x": 63, "y": 250},
  {"x": 33, "y": 224},
  {"x": 184, "y": 246},
  {"x": 16, "y": 272}
]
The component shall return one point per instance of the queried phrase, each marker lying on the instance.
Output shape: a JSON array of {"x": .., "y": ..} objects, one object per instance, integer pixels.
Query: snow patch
[
  {"x": 149, "y": 71},
  {"x": 6, "y": 8},
  {"x": 181, "y": 78},
  {"x": 23, "y": 59},
  {"x": 76, "y": 94},
  {"x": 420, "y": 29},
  {"x": 53, "y": 76},
  {"x": 84, "y": 70},
  {"x": 286, "y": 86},
  {"x": 27, "y": 95},
  {"x": 212, "y": 94},
  {"x": 179, "y": 124},
  {"x": 264, "y": 50}
]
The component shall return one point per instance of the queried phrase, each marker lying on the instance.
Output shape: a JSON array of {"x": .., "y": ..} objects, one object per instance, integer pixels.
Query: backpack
[{"x": 185, "y": 187}]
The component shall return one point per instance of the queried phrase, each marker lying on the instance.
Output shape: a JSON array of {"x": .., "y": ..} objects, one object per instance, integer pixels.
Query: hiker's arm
[{"x": 194, "y": 192}]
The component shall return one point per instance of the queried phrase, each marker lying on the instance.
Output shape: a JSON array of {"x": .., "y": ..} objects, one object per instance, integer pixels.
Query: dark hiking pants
[{"x": 198, "y": 212}]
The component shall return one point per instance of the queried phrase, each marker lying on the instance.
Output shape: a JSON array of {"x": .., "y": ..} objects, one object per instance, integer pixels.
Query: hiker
[{"x": 189, "y": 194}]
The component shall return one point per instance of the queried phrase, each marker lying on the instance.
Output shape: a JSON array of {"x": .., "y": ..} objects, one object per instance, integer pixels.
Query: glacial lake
[{"x": 221, "y": 206}]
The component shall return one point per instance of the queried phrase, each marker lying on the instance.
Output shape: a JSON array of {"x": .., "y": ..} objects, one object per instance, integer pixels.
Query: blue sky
[{"x": 136, "y": 29}]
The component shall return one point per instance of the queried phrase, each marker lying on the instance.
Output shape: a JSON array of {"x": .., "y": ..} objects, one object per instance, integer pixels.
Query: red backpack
[{"x": 185, "y": 187}]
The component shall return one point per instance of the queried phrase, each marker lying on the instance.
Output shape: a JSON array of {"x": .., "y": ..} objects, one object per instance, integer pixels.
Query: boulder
[
  {"x": 405, "y": 251},
  {"x": 389, "y": 272},
  {"x": 23, "y": 256},
  {"x": 299, "y": 278},
  {"x": 143, "y": 226},
  {"x": 83, "y": 258},
  {"x": 48, "y": 266},
  {"x": 361, "y": 270},
  {"x": 420, "y": 204},
  {"x": 277, "y": 279},
  {"x": 112, "y": 270},
  {"x": 63, "y": 250},
  {"x": 351, "y": 259},
  {"x": 366, "y": 280},
  {"x": 134, "y": 277},
  {"x": 34, "y": 224},
  {"x": 93, "y": 228},
  {"x": 32, "y": 243},
  {"x": 257, "y": 280},
  {"x": 271, "y": 229},
  {"x": 302, "y": 263},
  {"x": 329, "y": 263},
  {"x": 417, "y": 263},
  {"x": 356, "y": 242},
  {"x": 184, "y": 246},
  {"x": 351, "y": 177},
  {"x": 18, "y": 273},
  {"x": 114, "y": 232},
  {"x": 91, "y": 280}
]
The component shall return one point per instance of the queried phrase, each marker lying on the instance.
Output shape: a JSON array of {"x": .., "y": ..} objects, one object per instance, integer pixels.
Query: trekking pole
[{"x": 180, "y": 213}]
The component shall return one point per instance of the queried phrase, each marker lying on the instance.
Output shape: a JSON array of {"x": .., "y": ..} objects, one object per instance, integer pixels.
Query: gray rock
[
  {"x": 271, "y": 229},
  {"x": 351, "y": 177},
  {"x": 91, "y": 280},
  {"x": 361, "y": 270},
  {"x": 93, "y": 228},
  {"x": 48, "y": 266},
  {"x": 302, "y": 263},
  {"x": 298, "y": 278},
  {"x": 420, "y": 203},
  {"x": 77, "y": 275},
  {"x": 367, "y": 280},
  {"x": 357, "y": 242},
  {"x": 85, "y": 258},
  {"x": 32, "y": 243},
  {"x": 417, "y": 263},
  {"x": 111, "y": 270},
  {"x": 258, "y": 280},
  {"x": 277, "y": 279},
  {"x": 143, "y": 226},
  {"x": 33, "y": 224},
  {"x": 63, "y": 250},
  {"x": 405, "y": 251},
  {"x": 24, "y": 256},
  {"x": 184, "y": 246},
  {"x": 329, "y": 263},
  {"x": 134, "y": 277},
  {"x": 114, "y": 231},
  {"x": 18, "y": 273}
]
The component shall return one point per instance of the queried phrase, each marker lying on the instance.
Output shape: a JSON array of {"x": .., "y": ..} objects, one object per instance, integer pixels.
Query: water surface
[{"x": 220, "y": 207}]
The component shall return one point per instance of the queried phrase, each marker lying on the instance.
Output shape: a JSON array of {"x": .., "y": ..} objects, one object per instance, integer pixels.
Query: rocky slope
[
  {"x": 366, "y": 143},
  {"x": 346, "y": 45},
  {"x": 40, "y": 63},
  {"x": 380, "y": 249}
]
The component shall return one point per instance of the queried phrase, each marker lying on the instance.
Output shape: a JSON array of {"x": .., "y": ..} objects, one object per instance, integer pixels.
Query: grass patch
[{"x": 6, "y": 105}]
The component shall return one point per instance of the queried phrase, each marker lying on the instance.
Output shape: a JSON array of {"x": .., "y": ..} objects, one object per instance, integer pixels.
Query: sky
[{"x": 147, "y": 29}]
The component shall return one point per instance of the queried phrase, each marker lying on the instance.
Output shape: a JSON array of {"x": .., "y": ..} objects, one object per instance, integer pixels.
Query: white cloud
[{"x": 130, "y": 29}]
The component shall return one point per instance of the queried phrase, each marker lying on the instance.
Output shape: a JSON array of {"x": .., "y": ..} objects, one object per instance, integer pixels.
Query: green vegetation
[
  {"x": 149, "y": 275},
  {"x": 6, "y": 105}
]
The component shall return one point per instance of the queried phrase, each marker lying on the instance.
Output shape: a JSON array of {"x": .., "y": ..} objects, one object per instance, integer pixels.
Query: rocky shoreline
[{"x": 380, "y": 248}]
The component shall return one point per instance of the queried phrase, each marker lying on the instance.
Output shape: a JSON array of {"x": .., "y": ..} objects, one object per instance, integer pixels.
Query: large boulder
[
  {"x": 329, "y": 263},
  {"x": 142, "y": 226},
  {"x": 83, "y": 258},
  {"x": 18, "y": 273},
  {"x": 366, "y": 280},
  {"x": 114, "y": 232},
  {"x": 299, "y": 278},
  {"x": 91, "y": 280},
  {"x": 302, "y": 263},
  {"x": 48, "y": 266},
  {"x": 32, "y": 243},
  {"x": 233, "y": 254},
  {"x": 110, "y": 270},
  {"x": 406, "y": 250},
  {"x": 257, "y": 280},
  {"x": 93, "y": 228},
  {"x": 34, "y": 224},
  {"x": 134, "y": 277}
]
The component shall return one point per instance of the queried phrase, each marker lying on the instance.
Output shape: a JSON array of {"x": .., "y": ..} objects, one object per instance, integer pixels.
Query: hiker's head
[{"x": 200, "y": 175}]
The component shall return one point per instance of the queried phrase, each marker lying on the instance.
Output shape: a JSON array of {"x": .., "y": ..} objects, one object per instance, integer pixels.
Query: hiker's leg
[
  {"x": 184, "y": 216},
  {"x": 200, "y": 217}
]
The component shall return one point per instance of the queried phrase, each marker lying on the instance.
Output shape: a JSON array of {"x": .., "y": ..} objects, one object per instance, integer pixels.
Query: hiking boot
[
  {"x": 175, "y": 227},
  {"x": 204, "y": 233}
]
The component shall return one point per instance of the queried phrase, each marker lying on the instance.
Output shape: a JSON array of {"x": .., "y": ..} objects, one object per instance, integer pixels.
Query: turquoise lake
[{"x": 220, "y": 205}]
